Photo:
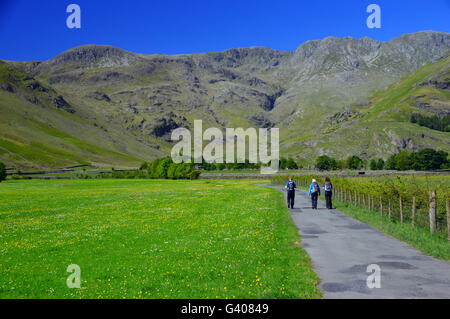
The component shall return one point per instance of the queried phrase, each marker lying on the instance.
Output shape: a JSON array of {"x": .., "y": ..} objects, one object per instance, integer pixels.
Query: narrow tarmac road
[{"x": 341, "y": 248}]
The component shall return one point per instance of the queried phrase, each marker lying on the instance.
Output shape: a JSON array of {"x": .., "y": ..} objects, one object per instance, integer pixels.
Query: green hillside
[
  {"x": 382, "y": 125},
  {"x": 105, "y": 106},
  {"x": 39, "y": 130}
]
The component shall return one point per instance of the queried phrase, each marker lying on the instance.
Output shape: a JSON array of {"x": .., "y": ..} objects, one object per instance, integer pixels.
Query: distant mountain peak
[{"x": 103, "y": 55}]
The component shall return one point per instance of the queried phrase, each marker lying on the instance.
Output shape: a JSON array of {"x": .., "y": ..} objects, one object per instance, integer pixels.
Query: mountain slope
[
  {"x": 40, "y": 129},
  {"x": 382, "y": 125},
  {"x": 128, "y": 103}
]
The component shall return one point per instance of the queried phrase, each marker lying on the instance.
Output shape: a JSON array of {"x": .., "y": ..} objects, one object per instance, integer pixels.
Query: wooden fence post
[
  {"x": 350, "y": 197},
  {"x": 447, "y": 207},
  {"x": 356, "y": 199},
  {"x": 432, "y": 212},
  {"x": 381, "y": 206},
  {"x": 389, "y": 209},
  {"x": 401, "y": 210},
  {"x": 368, "y": 201},
  {"x": 413, "y": 212}
]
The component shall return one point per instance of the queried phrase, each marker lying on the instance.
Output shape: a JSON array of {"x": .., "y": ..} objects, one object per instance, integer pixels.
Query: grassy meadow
[{"x": 150, "y": 239}]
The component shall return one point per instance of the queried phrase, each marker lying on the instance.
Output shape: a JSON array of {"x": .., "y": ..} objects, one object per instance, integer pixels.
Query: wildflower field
[{"x": 150, "y": 239}]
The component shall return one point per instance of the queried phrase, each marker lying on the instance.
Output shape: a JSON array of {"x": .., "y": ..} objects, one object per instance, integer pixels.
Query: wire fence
[{"x": 418, "y": 201}]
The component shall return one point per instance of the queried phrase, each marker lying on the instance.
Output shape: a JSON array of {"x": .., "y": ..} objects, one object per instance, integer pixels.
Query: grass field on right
[{"x": 420, "y": 238}]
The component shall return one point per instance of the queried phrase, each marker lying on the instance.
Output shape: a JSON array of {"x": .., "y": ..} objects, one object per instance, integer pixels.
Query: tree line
[
  {"x": 166, "y": 168},
  {"x": 434, "y": 122},
  {"x": 326, "y": 162},
  {"x": 284, "y": 163},
  {"x": 423, "y": 160}
]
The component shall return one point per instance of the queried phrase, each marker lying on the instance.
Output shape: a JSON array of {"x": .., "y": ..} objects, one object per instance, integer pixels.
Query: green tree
[
  {"x": 380, "y": 164},
  {"x": 172, "y": 170},
  {"x": 390, "y": 163},
  {"x": 152, "y": 168},
  {"x": 373, "y": 165},
  {"x": 163, "y": 167},
  {"x": 400, "y": 162},
  {"x": 2, "y": 172},
  {"x": 325, "y": 162},
  {"x": 143, "y": 166},
  {"x": 291, "y": 164},
  {"x": 403, "y": 161},
  {"x": 283, "y": 162},
  {"x": 237, "y": 165},
  {"x": 353, "y": 162},
  {"x": 428, "y": 159}
]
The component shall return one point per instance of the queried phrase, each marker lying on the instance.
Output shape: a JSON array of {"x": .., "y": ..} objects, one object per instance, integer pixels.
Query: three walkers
[{"x": 313, "y": 192}]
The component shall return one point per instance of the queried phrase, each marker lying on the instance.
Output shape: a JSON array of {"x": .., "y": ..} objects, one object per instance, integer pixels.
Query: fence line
[{"x": 419, "y": 210}]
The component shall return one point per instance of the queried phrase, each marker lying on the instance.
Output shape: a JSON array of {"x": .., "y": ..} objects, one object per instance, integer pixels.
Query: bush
[
  {"x": 433, "y": 122},
  {"x": 376, "y": 164},
  {"x": 144, "y": 166},
  {"x": 353, "y": 162},
  {"x": 423, "y": 160},
  {"x": 373, "y": 165},
  {"x": 291, "y": 164},
  {"x": 325, "y": 162},
  {"x": 163, "y": 167},
  {"x": 2, "y": 172},
  {"x": 380, "y": 164},
  {"x": 166, "y": 168},
  {"x": 152, "y": 172}
]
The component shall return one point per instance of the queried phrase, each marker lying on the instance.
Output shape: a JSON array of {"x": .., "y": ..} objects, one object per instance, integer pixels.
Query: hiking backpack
[
  {"x": 291, "y": 186},
  {"x": 327, "y": 186},
  {"x": 315, "y": 187}
]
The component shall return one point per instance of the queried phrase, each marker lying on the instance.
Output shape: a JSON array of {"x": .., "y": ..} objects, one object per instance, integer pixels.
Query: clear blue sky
[{"x": 36, "y": 30}]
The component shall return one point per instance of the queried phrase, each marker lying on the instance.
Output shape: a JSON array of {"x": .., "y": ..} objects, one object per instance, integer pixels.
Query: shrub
[
  {"x": 291, "y": 164},
  {"x": 144, "y": 166},
  {"x": 376, "y": 164},
  {"x": 2, "y": 172},
  {"x": 163, "y": 167},
  {"x": 353, "y": 162},
  {"x": 166, "y": 168},
  {"x": 425, "y": 159},
  {"x": 325, "y": 162}
]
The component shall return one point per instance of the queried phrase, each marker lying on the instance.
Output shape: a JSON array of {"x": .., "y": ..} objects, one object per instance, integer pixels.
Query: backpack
[
  {"x": 315, "y": 187},
  {"x": 291, "y": 186},
  {"x": 327, "y": 186}
]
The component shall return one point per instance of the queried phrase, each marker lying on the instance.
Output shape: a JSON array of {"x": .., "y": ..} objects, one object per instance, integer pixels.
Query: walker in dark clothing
[
  {"x": 290, "y": 198},
  {"x": 328, "y": 188},
  {"x": 314, "y": 192},
  {"x": 291, "y": 186},
  {"x": 314, "y": 197},
  {"x": 328, "y": 196}
]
